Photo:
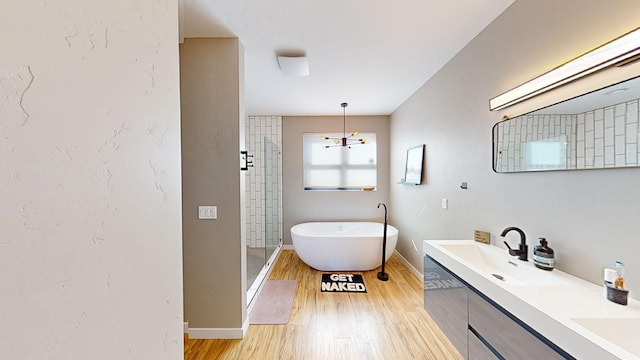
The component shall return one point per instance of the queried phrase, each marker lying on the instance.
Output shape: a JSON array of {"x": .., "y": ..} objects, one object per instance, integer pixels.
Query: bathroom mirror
[{"x": 592, "y": 131}]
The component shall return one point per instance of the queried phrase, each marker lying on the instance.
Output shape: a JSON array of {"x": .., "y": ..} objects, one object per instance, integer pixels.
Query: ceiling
[{"x": 372, "y": 54}]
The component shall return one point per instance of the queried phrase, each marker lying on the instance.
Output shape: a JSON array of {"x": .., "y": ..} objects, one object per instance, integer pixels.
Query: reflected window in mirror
[{"x": 592, "y": 131}]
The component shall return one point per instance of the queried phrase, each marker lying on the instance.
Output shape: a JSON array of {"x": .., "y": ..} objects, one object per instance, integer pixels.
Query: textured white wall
[
  {"x": 589, "y": 217},
  {"x": 90, "y": 187}
]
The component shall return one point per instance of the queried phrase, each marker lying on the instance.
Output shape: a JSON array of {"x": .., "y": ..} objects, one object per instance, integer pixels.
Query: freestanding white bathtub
[{"x": 343, "y": 246}]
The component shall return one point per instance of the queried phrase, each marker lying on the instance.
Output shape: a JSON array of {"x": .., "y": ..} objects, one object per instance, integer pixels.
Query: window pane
[
  {"x": 322, "y": 156},
  {"x": 323, "y": 178},
  {"x": 362, "y": 154},
  {"x": 360, "y": 177},
  {"x": 337, "y": 167}
]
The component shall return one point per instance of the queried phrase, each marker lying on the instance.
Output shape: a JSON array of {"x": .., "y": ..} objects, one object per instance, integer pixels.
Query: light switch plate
[{"x": 207, "y": 212}]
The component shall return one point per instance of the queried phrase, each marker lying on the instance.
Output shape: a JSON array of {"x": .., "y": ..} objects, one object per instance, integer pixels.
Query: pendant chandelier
[{"x": 345, "y": 141}]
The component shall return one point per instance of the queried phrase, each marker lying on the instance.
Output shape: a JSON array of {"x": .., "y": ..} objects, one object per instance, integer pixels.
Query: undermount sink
[
  {"x": 496, "y": 262},
  {"x": 620, "y": 331}
]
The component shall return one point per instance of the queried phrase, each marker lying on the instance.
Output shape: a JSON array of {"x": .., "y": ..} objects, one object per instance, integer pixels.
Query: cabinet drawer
[
  {"x": 477, "y": 350},
  {"x": 505, "y": 335},
  {"x": 445, "y": 299}
]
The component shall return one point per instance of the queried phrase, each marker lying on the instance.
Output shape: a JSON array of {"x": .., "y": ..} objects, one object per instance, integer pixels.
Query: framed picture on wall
[{"x": 413, "y": 168}]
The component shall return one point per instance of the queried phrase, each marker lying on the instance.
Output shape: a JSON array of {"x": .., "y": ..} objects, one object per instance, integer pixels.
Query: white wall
[
  {"x": 90, "y": 239},
  {"x": 589, "y": 217}
]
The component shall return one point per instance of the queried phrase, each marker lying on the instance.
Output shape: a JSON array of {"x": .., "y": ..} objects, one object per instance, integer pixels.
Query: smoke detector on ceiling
[{"x": 294, "y": 65}]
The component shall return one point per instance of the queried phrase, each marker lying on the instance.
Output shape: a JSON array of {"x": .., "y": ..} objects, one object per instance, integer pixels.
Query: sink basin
[
  {"x": 620, "y": 331},
  {"x": 497, "y": 263}
]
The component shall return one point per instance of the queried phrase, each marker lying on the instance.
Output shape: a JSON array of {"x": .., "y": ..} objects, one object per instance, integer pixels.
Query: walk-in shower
[{"x": 263, "y": 198}]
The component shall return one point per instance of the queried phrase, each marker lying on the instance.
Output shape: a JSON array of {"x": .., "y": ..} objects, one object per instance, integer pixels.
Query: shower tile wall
[
  {"x": 257, "y": 128},
  {"x": 602, "y": 137}
]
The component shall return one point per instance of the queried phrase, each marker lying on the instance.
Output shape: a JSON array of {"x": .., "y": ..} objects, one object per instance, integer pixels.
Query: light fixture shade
[
  {"x": 623, "y": 48},
  {"x": 294, "y": 65}
]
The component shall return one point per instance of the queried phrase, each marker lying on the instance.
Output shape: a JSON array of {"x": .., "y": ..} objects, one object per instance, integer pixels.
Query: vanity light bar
[{"x": 611, "y": 53}]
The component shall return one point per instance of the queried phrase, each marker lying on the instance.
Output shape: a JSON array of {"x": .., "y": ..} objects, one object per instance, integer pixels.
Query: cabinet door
[
  {"x": 445, "y": 299},
  {"x": 477, "y": 350},
  {"x": 506, "y": 336}
]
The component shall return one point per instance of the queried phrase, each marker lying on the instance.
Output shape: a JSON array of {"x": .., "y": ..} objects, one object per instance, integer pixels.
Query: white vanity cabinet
[{"x": 476, "y": 326}]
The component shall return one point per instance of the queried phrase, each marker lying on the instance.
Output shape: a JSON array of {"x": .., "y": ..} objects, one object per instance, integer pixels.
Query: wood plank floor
[{"x": 388, "y": 322}]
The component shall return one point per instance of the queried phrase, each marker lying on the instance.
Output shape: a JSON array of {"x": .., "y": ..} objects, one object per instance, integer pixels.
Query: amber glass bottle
[{"x": 619, "y": 282}]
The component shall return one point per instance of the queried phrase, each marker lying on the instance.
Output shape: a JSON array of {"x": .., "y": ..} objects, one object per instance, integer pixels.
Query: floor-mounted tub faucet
[
  {"x": 523, "y": 250},
  {"x": 382, "y": 275}
]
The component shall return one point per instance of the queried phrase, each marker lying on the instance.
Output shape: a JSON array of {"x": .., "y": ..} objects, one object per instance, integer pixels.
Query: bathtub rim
[{"x": 394, "y": 230}]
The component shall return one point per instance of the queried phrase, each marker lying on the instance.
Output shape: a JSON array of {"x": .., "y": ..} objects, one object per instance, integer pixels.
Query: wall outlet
[
  {"x": 445, "y": 203},
  {"x": 207, "y": 212}
]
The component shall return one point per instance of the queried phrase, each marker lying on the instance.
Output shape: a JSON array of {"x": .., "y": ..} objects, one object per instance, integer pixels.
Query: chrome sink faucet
[{"x": 523, "y": 250}]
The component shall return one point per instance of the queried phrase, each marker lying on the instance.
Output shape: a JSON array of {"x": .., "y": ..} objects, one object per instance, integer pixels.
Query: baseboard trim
[
  {"x": 412, "y": 269},
  {"x": 217, "y": 333},
  {"x": 288, "y": 247},
  {"x": 245, "y": 326},
  {"x": 185, "y": 327}
]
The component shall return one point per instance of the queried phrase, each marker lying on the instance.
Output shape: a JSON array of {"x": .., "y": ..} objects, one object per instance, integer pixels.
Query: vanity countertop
[{"x": 570, "y": 312}]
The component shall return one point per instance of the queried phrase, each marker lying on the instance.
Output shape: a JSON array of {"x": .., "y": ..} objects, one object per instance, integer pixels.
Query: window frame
[{"x": 343, "y": 167}]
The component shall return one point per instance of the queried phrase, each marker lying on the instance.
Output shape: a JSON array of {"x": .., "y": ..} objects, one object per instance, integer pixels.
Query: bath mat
[
  {"x": 273, "y": 305},
  {"x": 343, "y": 283}
]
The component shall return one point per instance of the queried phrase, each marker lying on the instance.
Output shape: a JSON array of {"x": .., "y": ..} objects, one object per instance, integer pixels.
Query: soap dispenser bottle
[{"x": 543, "y": 256}]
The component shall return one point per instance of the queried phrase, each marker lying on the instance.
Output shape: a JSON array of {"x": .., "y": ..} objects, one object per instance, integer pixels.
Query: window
[
  {"x": 546, "y": 154},
  {"x": 338, "y": 167}
]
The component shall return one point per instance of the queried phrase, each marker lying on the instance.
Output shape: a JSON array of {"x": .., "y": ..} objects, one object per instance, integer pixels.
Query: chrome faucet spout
[{"x": 523, "y": 250}]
